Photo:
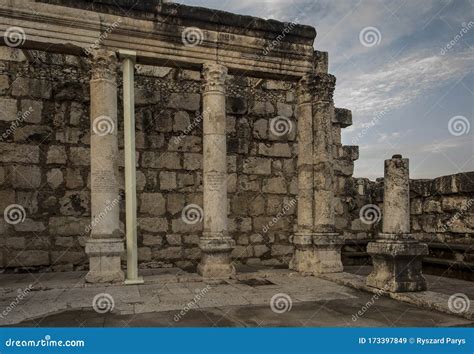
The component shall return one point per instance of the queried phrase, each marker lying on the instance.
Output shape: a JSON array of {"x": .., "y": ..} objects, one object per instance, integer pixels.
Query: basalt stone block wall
[
  {"x": 45, "y": 164},
  {"x": 442, "y": 216}
]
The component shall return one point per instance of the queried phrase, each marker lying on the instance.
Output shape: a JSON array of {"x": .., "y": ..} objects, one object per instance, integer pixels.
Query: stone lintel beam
[
  {"x": 342, "y": 117},
  {"x": 175, "y": 39},
  {"x": 215, "y": 243},
  {"x": 105, "y": 244}
]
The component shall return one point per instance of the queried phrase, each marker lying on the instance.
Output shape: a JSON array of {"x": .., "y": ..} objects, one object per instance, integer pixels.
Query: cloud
[{"x": 400, "y": 82}]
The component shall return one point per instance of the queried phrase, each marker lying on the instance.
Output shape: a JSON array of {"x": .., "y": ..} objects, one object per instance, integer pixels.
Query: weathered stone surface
[
  {"x": 258, "y": 166},
  {"x": 19, "y": 153},
  {"x": 55, "y": 178},
  {"x": 168, "y": 180},
  {"x": 68, "y": 226},
  {"x": 153, "y": 224},
  {"x": 190, "y": 102},
  {"x": 261, "y": 108},
  {"x": 152, "y": 203},
  {"x": 79, "y": 156},
  {"x": 275, "y": 150},
  {"x": 8, "y": 109},
  {"x": 56, "y": 155},
  {"x": 275, "y": 185},
  {"x": 26, "y": 87}
]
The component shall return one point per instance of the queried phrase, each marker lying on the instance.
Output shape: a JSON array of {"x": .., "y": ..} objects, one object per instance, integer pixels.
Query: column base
[
  {"x": 216, "y": 257},
  {"x": 104, "y": 260},
  {"x": 397, "y": 264},
  {"x": 317, "y": 253}
]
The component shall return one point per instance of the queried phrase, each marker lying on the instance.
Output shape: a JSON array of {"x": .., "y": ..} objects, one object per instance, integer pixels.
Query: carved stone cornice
[
  {"x": 316, "y": 88},
  {"x": 103, "y": 65},
  {"x": 214, "y": 77}
]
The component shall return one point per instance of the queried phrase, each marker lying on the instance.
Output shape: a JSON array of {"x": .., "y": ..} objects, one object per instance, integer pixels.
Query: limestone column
[
  {"x": 396, "y": 256},
  {"x": 105, "y": 244},
  {"x": 327, "y": 243},
  {"x": 215, "y": 243},
  {"x": 304, "y": 259}
]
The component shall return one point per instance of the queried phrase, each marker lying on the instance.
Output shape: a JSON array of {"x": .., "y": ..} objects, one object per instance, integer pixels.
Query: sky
[{"x": 404, "y": 68}]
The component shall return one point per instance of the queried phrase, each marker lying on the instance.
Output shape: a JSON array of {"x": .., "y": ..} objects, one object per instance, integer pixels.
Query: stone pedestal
[
  {"x": 397, "y": 265},
  {"x": 215, "y": 243},
  {"x": 396, "y": 256},
  {"x": 105, "y": 245}
]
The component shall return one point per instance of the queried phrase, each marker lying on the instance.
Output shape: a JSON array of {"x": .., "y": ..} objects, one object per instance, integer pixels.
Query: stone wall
[
  {"x": 45, "y": 163},
  {"x": 442, "y": 215}
]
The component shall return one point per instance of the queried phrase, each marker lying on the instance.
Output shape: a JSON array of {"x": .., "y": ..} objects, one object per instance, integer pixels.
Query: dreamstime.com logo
[
  {"x": 103, "y": 303},
  {"x": 192, "y": 36},
  {"x": 459, "y": 303},
  {"x": 14, "y": 36},
  {"x": 281, "y": 303},
  {"x": 44, "y": 342},
  {"x": 370, "y": 36},
  {"x": 370, "y": 214},
  {"x": 192, "y": 214},
  {"x": 459, "y": 125},
  {"x": 14, "y": 214},
  {"x": 280, "y": 126},
  {"x": 103, "y": 125}
]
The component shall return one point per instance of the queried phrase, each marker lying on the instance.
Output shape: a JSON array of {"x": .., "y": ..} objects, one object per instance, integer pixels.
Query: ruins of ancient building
[{"x": 235, "y": 159}]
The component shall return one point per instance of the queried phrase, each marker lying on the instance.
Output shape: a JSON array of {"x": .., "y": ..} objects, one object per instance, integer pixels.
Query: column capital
[
  {"x": 316, "y": 88},
  {"x": 214, "y": 77},
  {"x": 103, "y": 64}
]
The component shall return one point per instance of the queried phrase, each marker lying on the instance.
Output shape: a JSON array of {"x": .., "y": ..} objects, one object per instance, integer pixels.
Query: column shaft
[
  {"x": 105, "y": 244},
  {"x": 216, "y": 245},
  {"x": 396, "y": 213},
  {"x": 303, "y": 258}
]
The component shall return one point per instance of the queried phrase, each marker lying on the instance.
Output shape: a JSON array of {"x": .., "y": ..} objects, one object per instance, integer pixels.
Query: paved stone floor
[{"x": 171, "y": 297}]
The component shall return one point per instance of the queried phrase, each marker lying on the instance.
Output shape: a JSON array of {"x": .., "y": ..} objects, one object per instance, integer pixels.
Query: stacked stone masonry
[
  {"x": 45, "y": 163},
  {"x": 45, "y": 167}
]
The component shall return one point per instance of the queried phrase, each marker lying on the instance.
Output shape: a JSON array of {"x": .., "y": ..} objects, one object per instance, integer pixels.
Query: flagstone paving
[{"x": 174, "y": 298}]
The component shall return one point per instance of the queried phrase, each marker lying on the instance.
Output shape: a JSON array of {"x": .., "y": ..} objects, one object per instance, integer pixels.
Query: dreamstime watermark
[
  {"x": 14, "y": 36},
  {"x": 103, "y": 36},
  {"x": 368, "y": 304},
  {"x": 192, "y": 214},
  {"x": 370, "y": 36},
  {"x": 110, "y": 205},
  {"x": 14, "y": 214},
  {"x": 195, "y": 123},
  {"x": 281, "y": 303},
  {"x": 280, "y": 126},
  {"x": 370, "y": 214},
  {"x": 103, "y": 303},
  {"x": 278, "y": 39},
  {"x": 466, "y": 27},
  {"x": 459, "y": 125},
  {"x": 458, "y": 215},
  {"x": 279, "y": 215},
  {"x": 192, "y": 36},
  {"x": 103, "y": 125},
  {"x": 192, "y": 304},
  {"x": 22, "y": 293},
  {"x": 459, "y": 303},
  {"x": 373, "y": 122},
  {"x": 16, "y": 123}
]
